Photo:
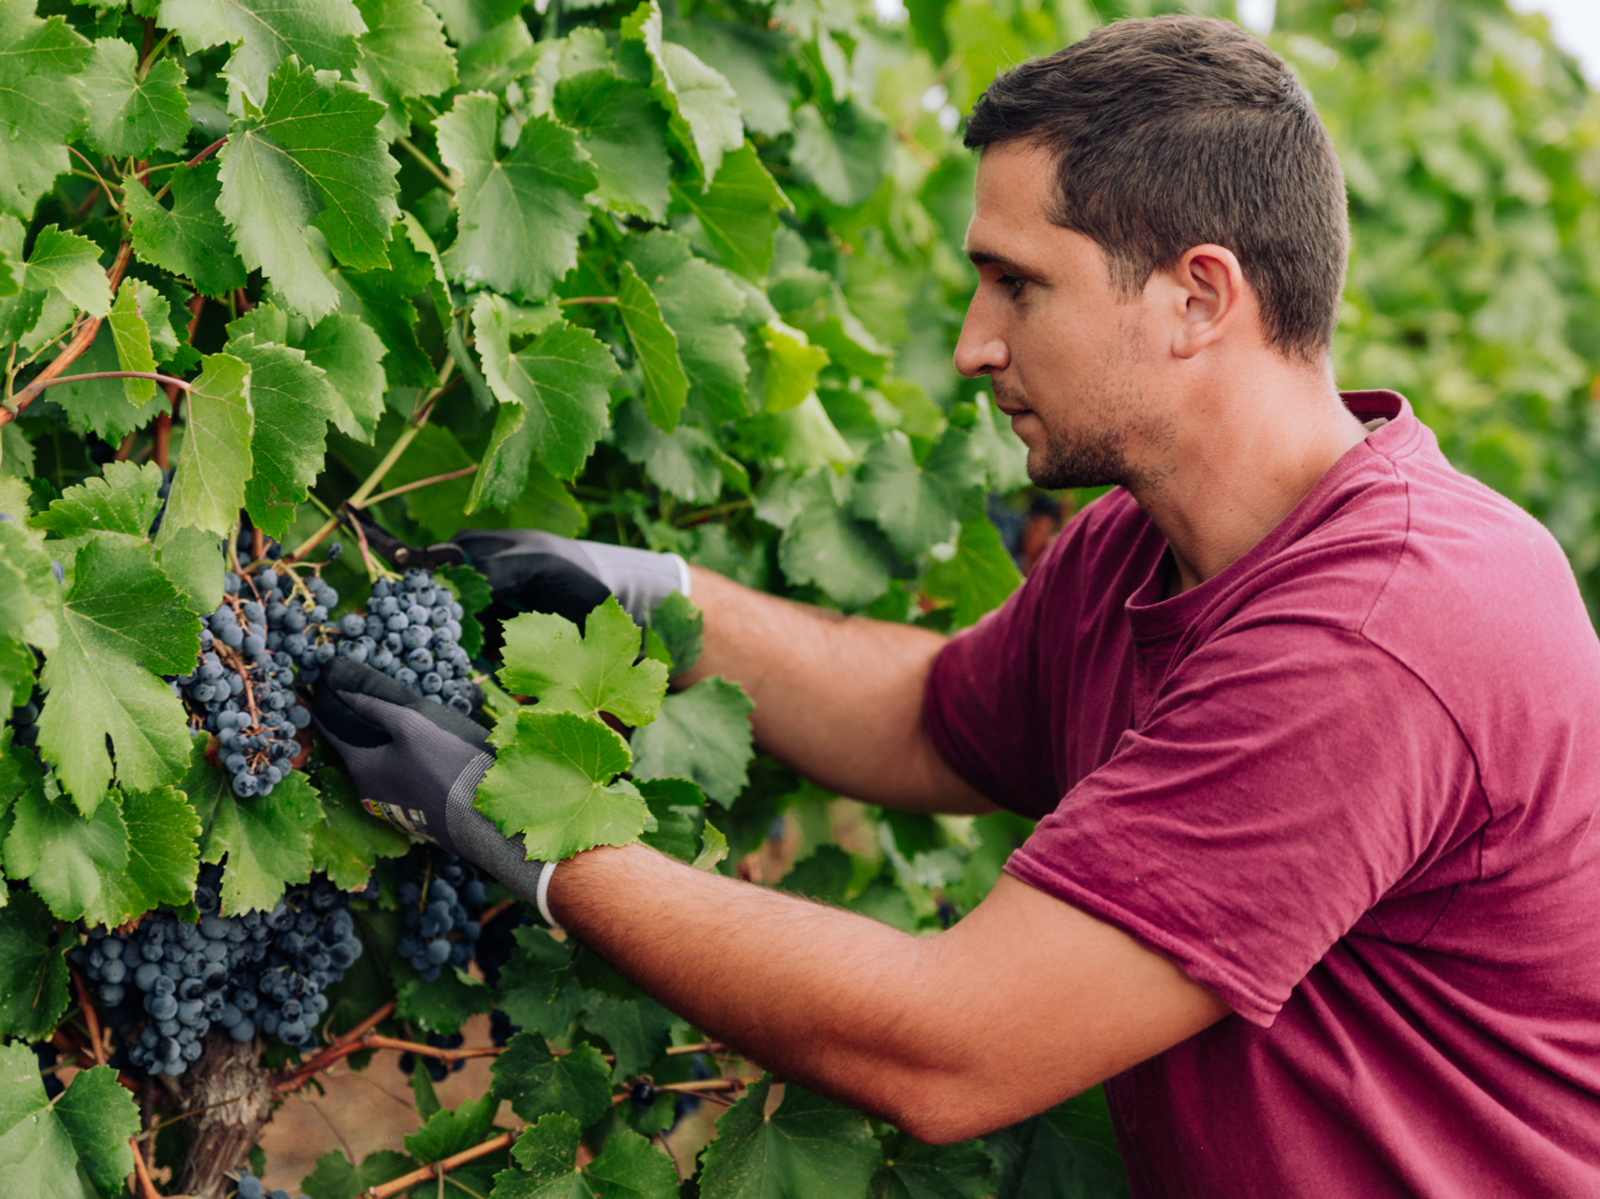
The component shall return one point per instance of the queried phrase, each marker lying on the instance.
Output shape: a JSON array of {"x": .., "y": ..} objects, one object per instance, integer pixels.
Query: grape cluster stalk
[
  {"x": 268, "y": 624},
  {"x": 166, "y": 983}
]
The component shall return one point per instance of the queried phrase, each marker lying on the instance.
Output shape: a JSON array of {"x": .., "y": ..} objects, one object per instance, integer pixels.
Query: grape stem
[
  {"x": 405, "y": 487},
  {"x": 167, "y": 380},
  {"x": 372, "y": 481},
  {"x": 293, "y": 1079},
  {"x": 90, "y": 1018},
  {"x": 438, "y": 1169},
  {"x": 73, "y": 350},
  {"x": 147, "y": 1186}
]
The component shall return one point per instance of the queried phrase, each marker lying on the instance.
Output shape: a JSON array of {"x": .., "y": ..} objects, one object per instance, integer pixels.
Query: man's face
[{"x": 1065, "y": 350}]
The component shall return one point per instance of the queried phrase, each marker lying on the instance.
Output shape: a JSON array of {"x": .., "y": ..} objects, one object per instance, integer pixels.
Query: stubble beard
[{"x": 1066, "y": 461}]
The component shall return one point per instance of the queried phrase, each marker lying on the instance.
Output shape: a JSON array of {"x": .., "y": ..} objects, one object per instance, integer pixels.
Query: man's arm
[
  {"x": 839, "y": 698},
  {"x": 1024, "y": 1003}
]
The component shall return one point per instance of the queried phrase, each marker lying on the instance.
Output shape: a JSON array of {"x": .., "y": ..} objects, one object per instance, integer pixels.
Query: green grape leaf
[
  {"x": 192, "y": 560},
  {"x": 102, "y": 404},
  {"x": 589, "y": 671},
  {"x": 553, "y": 784},
  {"x": 792, "y": 363},
  {"x": 403, "y": 54},
  {"x": 665, "y": 384},
  {"x": 71, "y": 264},
  {"x": 121, "y": 628},
  {"x": 124, "y": 499},
  {"x": 322, "y": 33},
  {"x": 810, "y": 1146},
  {"x": 384, "y": 300},
  {"x": 29, "y": 613},
  {"x": 705, "y": 112},
  {"x": 679, "y": 809},
  {"x": 703, "y": 735},
  {"x": 685, "y": 462},
  {"x": 41, "y": 103},
  {"x": 189, "y": 239},
  {"x": 56, "y": 1150},
  {"x": 130, "y": 332},
  {"x": 292, "y": 402},
  {"x": 637, "y": 1031},
  {"x": 162, "y": 854},
  {"x": 347, "y": 840},
  {"x": 1070, "y": 1149},
  {"x": 629, "y": 1167},
  {"x": 443, "y": 1005},
  {"x": 313, "y": 157},
  {"x": 553, "y": 404},
  {"x": 267, "y": 840},
  {"x": 681, "y": 627},
  {"x": 986, "y": 573},
  {"x": 73, "y": 861},
  {"x": 350, "y": 355},
  {"x": 336, "y": 1177},
  {"x": 738, "y": 212},
  {"x": 847, "y": 160},
  {"x": 33, "y": 969},
  {"x": 917, "y": 506},
  {"x": 447, "y": 1133},
  {"x": 699, "y": 303},
  {"x": 129, "y": 115},
  {"x": 534, "y": 990},
  {"x": 537, "y": 1082},
  {"x": 912, "y": 1170},
  {"x": 1000, "y": 450},
  {"x": 826, "y": 546},
  {"x": 208, "y": 487},
  {"x": 623, "y": 131},
  {"x": 546, "y": 1153},
  {"x": 520, "y": 216},
  {"x": 713, "y": 848}
]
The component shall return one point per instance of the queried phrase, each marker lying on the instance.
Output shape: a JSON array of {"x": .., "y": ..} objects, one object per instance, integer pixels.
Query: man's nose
[{"x": 980, "y": 350}]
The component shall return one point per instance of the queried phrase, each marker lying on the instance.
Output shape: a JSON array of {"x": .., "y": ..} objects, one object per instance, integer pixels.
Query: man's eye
[{"x": 1014, "y": 282}]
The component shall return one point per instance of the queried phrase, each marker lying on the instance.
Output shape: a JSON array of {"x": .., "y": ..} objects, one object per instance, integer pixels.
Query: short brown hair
[{"x": 1171, "y": 132}]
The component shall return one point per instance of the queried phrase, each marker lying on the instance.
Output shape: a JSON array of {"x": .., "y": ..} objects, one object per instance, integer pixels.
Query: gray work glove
[
  {"x": 417, "y": 765},
  {"x": 533, "y": 571}
]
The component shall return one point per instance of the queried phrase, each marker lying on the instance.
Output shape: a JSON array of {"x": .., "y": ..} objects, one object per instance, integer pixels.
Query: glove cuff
[{"x": 640, "y": 579}]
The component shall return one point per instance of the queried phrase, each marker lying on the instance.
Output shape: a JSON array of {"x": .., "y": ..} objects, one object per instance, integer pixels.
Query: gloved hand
[
  {"x": 417, "y": 764},
  {"x": 529, "y": 570}
]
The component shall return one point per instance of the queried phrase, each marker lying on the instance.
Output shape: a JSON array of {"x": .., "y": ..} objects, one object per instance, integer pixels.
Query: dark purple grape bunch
[
  {"x": 412, "y": 632},
  {"x": 269, "y": 627},
  {"x": 441, "y": 898},
  {"x": 166, "y": 983},
  {"x": 250, "y": 1187},
  {"x": 437, "y": 1070},
  {"x": 25, "y": 722}
]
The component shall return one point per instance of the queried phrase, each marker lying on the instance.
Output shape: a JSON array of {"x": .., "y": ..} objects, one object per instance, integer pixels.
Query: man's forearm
[
  {"x": 1023, "y": 1003},
  {"x": 837, "y": 697}
]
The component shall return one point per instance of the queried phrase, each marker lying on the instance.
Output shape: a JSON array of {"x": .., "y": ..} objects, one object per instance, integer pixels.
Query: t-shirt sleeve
[
  {"x": 1289, "y": 777},
  {"x": 981, "y": 709}
]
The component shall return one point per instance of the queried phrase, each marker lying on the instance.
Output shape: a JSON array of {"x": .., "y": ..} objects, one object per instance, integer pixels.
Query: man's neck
[{"x": 1240, "y": 464}]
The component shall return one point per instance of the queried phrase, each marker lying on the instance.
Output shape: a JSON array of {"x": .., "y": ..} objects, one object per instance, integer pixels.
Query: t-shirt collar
[{"x": 1153, "y": 617}]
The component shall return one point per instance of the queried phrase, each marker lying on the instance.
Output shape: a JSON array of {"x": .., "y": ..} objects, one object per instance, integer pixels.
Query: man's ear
[{"x": 1210, "y": 285}]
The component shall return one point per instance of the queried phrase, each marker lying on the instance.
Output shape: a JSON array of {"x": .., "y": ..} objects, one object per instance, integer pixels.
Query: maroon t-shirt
[{"x": 1348, "y": 784}]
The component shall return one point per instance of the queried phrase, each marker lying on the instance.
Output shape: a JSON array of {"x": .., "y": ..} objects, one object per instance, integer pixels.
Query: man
[{"x": 1311, "y": 722}]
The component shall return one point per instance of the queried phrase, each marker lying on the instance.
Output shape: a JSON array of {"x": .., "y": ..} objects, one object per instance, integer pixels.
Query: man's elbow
[{"x": 951, "y": 1108}]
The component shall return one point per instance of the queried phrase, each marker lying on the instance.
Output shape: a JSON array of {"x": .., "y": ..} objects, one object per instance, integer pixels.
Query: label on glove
[{"x": 407, "y": 820}]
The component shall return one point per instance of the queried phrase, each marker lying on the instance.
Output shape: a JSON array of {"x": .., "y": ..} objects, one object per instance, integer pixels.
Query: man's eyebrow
[{"x": 1010, "y": 267}]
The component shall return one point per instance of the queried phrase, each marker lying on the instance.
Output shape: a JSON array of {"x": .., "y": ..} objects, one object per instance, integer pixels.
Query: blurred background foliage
[{"x": 1471, "y": 147}]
